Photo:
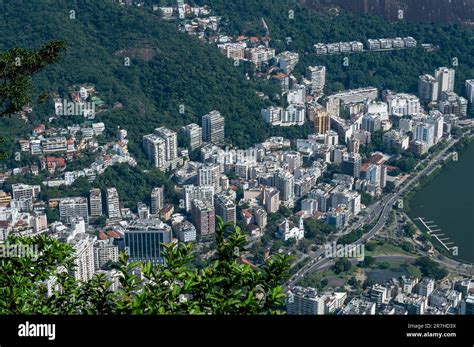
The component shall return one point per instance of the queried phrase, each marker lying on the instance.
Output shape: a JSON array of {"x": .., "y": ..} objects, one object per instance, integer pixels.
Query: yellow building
[
  {"x": 320, "y": 118},
  {"x": 4, "y": 199}
]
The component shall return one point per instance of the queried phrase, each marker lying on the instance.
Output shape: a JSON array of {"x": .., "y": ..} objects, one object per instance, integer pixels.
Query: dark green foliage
[
  {"x": 371, "y": 246},
  {"x": 368, "y": 283},
  {"x": 100, "y": 222},
  {"x": 21, "y": 277},
  {"x": 409, "y": 229},
  {"x": 168, "y": 68},
  {"x": 394, "y": 173},
  {"x": 342, "y": 265},
  {"x": 368, "y": 261},
  {"x": 16, "y": 68},
  {"x": 430, "y": 268},
  {"x": 317, "y": 231},
  {"x": 384, "y": 265},
  {"x": 352, "y": 237},
  {"x": 133, "y": 185},
  {"x": 366, "y": 198},
  {"x": 397, "y": 70},
  {"x": 225, "y": 286},
  {"x": 52, "y": 214},
  {"x": 324, "y": 282},
  {"x": 408, "y": 247},
  {"x": 405, "y": 165}
]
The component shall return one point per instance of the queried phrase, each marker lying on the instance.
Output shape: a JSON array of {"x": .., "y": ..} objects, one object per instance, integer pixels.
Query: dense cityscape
[{"x": 330, "y": 190}]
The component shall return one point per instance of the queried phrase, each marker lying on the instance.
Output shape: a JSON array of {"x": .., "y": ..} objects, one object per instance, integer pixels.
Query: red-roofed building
[
  {"x": 103, "y": 236},
  {"x": 377, "y": 159},
  {"x": 390, "y": 168},
  {"x": 247, "y": 216},
  {"x": 280, "y": 76},
  {"x": 166, "y": 212},
  {"x": 53, "y": 164},
  {"x": 39, "y": 129},
  {"x": 107, "y": 160},
  {"x": 300, "y": 214},
  {"x": 364, "y": 167},
  {"x": 114, "y": 234}
]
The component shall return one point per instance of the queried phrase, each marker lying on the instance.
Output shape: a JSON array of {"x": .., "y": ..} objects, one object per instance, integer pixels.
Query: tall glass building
[{"x": 144, "y": 240}]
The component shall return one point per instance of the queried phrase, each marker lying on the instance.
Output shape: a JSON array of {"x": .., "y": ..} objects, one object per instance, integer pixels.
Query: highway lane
[{"x": 379, "y": 212}]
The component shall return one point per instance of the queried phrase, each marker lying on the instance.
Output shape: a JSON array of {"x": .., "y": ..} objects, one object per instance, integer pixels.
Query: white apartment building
[
  {"x": 425, "y": 132},
  {"x": 402, "y": 104},
  {"x": 157, "y": 200},
  {"x": 70, "y": 208},
  {"x": 155, "y": 149},
  {"x": 209, "y": 175},
  {"x": 104, "y": 252},
  {"x": 426, "y": 287},
  {"x": 297, "y": 95},
  {"x": 204, "y": 193},
  {"x": 113, "y": 204},
  {"x": 83, "y": 245},
  {"x": 20, "y": 190},
  {"x": 272, "y": 115},
  {"x": 171, "y": 143},
  {"x": 428, "y": 88},
  {"x": 161, "y": 148},
  {"x": 470, "y": 91},
  {"x": 95, "y": 202},
  {"x": 194, "y": 133},
  {"x": 317, "y": 76},
  {"x": 304, "y": 301},
  {"x": 213, "y": 128},
  {"x": 295, "y": 114},
  {"x": 445, "y": 78}
]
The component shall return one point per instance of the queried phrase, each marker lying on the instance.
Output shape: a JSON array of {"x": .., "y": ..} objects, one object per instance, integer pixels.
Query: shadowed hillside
[{"x": 452, "y": 11}]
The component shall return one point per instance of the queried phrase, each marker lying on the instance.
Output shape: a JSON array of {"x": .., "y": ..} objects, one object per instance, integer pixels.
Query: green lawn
[{"x": 386, "y": 249}]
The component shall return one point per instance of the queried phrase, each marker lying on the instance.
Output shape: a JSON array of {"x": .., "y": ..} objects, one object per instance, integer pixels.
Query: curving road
[{"x": 378, "y": 213}]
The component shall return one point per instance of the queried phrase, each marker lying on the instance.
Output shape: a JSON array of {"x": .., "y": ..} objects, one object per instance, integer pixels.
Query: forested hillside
[
  {"x": 452, "y": 11},
  {"x": 169, "y": 68},
  {"x": 178, "y": 69},
  {"x": 395, "y": 70}
]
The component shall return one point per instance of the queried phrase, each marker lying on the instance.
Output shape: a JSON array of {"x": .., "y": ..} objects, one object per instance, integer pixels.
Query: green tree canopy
[
  {"x": 16, "y": 68},
  {"x": 224, "y": 286}
]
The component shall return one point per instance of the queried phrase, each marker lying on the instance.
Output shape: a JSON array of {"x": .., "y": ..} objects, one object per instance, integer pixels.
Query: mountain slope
[
  {"x": 178, "y": 69},
  {"x": 454, "y": 11},
  {"x": 398, "y": 71}
]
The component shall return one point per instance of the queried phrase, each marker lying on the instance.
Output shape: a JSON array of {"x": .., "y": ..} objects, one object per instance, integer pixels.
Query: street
[{"x": 379, "y": 213}]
